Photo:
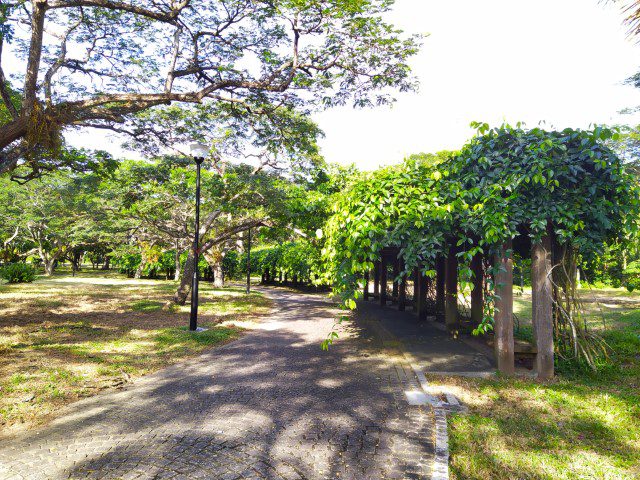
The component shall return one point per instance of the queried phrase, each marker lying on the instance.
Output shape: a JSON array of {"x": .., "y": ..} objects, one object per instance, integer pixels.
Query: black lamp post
[
  {"x": 199, "y": 152},
  {"x": 249, "y": 262}
]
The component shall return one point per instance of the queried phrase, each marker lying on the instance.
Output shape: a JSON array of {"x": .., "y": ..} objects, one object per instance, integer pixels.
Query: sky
[{"x": 562, "y": 62}]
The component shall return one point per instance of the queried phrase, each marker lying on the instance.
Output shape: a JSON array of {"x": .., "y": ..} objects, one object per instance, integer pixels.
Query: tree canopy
[{"x": 258, "y": 66}]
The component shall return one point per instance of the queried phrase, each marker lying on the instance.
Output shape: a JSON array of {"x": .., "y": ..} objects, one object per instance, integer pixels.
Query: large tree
[{"x": 99, "y": 63}]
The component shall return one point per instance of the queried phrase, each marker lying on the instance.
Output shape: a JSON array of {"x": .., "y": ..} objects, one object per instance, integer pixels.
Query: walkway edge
[
  {"x": 440, "y": 467},
  {"x": 441, "y": 462}
]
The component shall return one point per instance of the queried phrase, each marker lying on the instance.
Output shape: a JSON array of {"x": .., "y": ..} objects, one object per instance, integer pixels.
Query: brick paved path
[{"x": 271, "y": 405}]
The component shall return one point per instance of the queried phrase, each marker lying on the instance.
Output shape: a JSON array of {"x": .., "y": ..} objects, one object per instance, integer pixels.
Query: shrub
[
  {"x": 631, "y": 276},
  {"x": 18, "y": 273}
]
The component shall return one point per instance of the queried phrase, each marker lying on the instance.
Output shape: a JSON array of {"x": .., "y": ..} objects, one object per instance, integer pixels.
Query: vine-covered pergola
[{"x": 553, "y": 196}]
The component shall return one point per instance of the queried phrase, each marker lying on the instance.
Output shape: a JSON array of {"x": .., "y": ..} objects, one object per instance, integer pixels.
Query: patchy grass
[
  {"x": 581, "y": 425},
  {"x": 63, "y": 338}
]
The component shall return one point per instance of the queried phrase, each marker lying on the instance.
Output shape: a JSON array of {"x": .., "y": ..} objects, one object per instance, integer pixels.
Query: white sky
[{"x": 558, "y": 61}]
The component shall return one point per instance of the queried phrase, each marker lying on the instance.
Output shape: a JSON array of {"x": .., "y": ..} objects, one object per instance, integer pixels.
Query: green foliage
[
  {"x": 632, "y": 276},
  {"x": 231, "y": 267},
  {"x": 127, "y": 261},
  {"x": 18, "y": 273},
  {"x": 300, "y": 259},
  {"x": 504, "y": 182}
]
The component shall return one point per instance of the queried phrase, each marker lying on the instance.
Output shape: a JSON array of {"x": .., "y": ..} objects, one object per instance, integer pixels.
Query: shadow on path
[{"x": 270, "y": 405}]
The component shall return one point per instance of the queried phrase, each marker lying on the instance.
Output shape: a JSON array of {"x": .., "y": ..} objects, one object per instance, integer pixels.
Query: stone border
[{"x": 440, "y": 469}]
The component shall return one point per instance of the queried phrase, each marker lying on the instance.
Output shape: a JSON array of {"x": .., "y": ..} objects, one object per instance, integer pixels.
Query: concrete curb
[{"x": 440, "y": 469}]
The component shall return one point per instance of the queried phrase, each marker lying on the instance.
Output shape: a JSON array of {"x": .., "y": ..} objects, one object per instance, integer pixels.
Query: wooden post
[
  {"x": 402, "y": 294},
  {"x": 477, "y": 300},
  {"x": 542, "y": 314},
  {"x": 440, "y": 288},
  {"x": 366, "y": 286},
  {"x": 421, "y": 300},
  {"x": 416, "y": 288},
  {"x": 503, "y": 314},
  {"x": 451, "y": 289},
  {"x": 396, "y": 272},
  {"x": 383, "y": 281},
  {"x": 376, "y": 280}
]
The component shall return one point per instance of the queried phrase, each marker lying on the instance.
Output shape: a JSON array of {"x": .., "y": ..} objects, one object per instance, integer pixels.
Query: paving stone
[{"x": 271, "y": 405}]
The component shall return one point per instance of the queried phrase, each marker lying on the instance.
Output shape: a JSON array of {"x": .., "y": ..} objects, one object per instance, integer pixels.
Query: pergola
[
  {"x": 438, "y": 297},
  {"x": 552, "y": 196}
]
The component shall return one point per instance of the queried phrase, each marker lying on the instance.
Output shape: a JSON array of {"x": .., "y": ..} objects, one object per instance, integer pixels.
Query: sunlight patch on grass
[
  {"x": 581, "y": 425},
  {"x": 62, "y": 338}
]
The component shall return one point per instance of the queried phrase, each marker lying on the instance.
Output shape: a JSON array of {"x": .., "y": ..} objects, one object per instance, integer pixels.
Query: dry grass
[{"x": 64, "y": 338}]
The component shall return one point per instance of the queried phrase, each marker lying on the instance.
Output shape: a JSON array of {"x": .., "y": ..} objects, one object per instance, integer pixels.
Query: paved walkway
[
  {"x": 428, "y": 343},
  {"x": 271, "y": 405}
]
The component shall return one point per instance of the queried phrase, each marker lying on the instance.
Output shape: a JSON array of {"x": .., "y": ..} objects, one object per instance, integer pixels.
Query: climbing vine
[{"x": 506, "y": 182}]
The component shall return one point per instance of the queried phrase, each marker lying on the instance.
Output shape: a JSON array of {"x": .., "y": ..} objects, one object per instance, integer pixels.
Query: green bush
[
  {"x": 631, "y": 276},
  {"x": 18, "y": 273}
]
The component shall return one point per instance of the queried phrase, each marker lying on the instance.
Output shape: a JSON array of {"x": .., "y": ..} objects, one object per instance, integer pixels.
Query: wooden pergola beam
[
  {"x": 376, "y": 279},
  {"x": 402, "y": 294},
  {"x": 366, "y": 286},
  {"x": 396, "y": 272},
  {"x": 421, "y": 299}
]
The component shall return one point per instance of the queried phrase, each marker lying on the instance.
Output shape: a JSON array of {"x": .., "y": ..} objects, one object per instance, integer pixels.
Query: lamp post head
[{"x": 199, "y": 151}]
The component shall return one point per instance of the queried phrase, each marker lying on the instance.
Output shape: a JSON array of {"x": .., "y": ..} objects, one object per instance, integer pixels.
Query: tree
[
  {"x": 100, "y": 63},
  {"x": 54, "y": 217},
  {"x": 156, "y": 200}
]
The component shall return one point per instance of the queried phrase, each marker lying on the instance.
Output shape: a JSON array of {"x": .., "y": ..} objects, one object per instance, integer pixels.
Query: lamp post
[
  {"x": 249, "y": 263},
  {"x": 199, "y": 152}
]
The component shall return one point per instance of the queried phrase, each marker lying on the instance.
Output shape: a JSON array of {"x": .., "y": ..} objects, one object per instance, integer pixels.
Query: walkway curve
[{"x": 271, "y": 405}]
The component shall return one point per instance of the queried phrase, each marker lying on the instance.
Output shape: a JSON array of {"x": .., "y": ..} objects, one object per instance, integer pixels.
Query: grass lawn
[
  {"x": 63, "y": 338},
  {"x": 581, "y": 425}
]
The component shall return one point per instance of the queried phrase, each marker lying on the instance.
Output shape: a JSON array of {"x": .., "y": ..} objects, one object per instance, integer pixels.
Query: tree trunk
[
  {"x": 503, "y": 316},
  {"x": 107, "y": 263},
  {"x": 218, "y": 279},
  {"x": 184, "y": 288},
  {"x": 176, "y": 276},
  {"x": 35, "y": 53},
  {"x": 49, "y": 266},
  {"x": 140, "y": 268},
  {"x": 541, "y": 295}
]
